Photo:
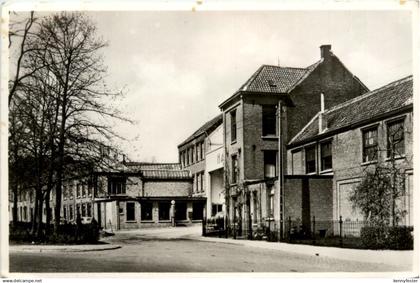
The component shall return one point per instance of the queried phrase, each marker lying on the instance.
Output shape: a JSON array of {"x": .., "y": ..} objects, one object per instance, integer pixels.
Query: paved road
[{"x": 175, "y": 251}]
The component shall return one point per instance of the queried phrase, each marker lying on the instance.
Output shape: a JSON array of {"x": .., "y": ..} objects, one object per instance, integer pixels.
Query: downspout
[{"x": 280, "y": 175}]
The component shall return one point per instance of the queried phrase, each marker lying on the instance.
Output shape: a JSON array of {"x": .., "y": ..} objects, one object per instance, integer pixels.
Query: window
[
  {"x": 198, "y": 177},
  {"x": 164, "y": 208},
  {"x": 202, "y": 150},
  {"x": 297, "y": 160},
  {"x": 310, "y": 159},
  {"x": 326, "y": 156},
  {"x": 25, "y": 213},
  {"x": 216, "y": 208},
  {"x": 130, "y": 211},
  {"x": 269, "y": 120},
  {"x": 233, "y": 125},
  {"x": 271, "y": 204},
  {"x": 270, "y": 168},
  {"x": 65, "y": 212},
  {"x": 191, "y": 155},
  {"x": 78, "y": 209},
  {"x": 116, "y": 185},
  {"x": 187, "y": 156},
  {"x": 235, "y": 169},
  {"x": 197, "y": 213},
  {"x": 89, "y": 209},
  {"x": 84, "y": 190},
  {"x": 70, "y": 212},
  {"x": 180, "y": 211},
  {"x": 83, "y": 210},
  {"x": 202, "y": 182},
  {"x": 147, "y": 211},
  {"x": 370, "y": 144},
  {"x": 78, "y": 190},
  {"x": 395, "y": 138}
]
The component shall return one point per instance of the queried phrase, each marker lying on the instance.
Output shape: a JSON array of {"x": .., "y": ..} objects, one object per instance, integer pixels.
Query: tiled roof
[
  {"x": 158, "y": 170},
  {"x": 206, "y": 128},
  {"x": 153, "y": 166},
  {"x": 388, "y": 98},
  {"x": 166, "y": 174},
  {"x": 273, "y": 79}
]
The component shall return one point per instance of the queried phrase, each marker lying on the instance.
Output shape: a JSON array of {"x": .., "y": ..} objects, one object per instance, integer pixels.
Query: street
[{"x": 182, "y": 250}]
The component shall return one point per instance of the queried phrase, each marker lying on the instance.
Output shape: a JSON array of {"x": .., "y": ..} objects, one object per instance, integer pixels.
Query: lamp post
[{"x": 172, "y": 212}]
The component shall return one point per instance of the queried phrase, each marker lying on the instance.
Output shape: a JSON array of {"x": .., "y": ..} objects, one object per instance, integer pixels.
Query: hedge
[
  {"x": 384, "y": 237},
  {"x": 66, "y": 233}
]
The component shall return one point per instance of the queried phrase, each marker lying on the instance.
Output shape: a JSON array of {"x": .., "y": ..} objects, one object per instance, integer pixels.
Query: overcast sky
[{"x": 177, "y": 67}]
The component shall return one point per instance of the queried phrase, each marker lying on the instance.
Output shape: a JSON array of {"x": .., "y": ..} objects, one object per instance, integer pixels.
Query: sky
[{"x": 177, "y": 67}]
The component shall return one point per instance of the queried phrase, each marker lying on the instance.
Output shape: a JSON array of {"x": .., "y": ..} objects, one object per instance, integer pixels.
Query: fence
[
  {"x": 214, "y": 227},
  {"x": 323, "y": 228}
]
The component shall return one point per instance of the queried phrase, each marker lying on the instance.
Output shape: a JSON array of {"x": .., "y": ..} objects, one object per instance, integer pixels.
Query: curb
[
  {"x": 399, "y": 258},
  {"x": 65, "y": 249}
]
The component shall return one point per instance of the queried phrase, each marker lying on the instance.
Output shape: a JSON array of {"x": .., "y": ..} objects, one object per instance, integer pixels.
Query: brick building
[
  {"x": 358, "y": 135},
  {"x": 214, "y": 173},
  {"x": 193, "y": 155},
  {"x": 251, "y": 131},
  {"x": 130, "y": 196}
]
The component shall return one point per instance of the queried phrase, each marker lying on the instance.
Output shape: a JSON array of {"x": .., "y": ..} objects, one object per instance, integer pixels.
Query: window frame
[
  {"x": 142, "y": 207},
  {"x": 373, "y": 128},
  {"x": 266, "y": 117},
  {"x": 307, "y": 148},
  {"x": 265, "y": 156},
  {"x": 399, "y": 120},
  {"x": 235, "y": 169},
  {"x": 160, "y": 210},
  {"x": 112, "y": 180},
  {"x": 321, "y": 144},
  {"x": 233, "y": 126},
  {"x": 129, "y": 212}
]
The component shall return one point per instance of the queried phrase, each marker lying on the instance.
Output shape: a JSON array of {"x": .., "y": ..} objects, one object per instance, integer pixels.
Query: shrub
[
  {"x": 66, "y": 234},
  {"x": 400, "y": 238},
  {"x": 384, "y": 237}
]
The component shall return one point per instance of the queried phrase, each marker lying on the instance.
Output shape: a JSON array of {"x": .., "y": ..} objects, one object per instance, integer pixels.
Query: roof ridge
[
  {"x": 368, "y": 94},
  {"x": 284, "y": 67}
]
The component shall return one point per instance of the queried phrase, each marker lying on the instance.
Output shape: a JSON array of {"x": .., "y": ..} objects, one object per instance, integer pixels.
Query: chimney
[
  {"x": 325, "y": 50},
  {"x": 321, "y": 118}
]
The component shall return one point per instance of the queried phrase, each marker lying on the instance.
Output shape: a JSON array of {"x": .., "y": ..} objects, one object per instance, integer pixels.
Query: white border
[{"x": 199, "y": 5}]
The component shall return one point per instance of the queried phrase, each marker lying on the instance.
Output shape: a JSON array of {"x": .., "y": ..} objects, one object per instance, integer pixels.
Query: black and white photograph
[{"x": 203, "y": 140}]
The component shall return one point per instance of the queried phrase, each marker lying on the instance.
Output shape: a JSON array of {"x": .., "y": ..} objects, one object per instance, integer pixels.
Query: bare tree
[{"x": 61, "y": 109}]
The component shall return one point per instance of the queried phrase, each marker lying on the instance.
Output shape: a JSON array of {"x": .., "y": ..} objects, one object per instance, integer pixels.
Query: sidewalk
[
  {"x": 396, "y": 258},
  {"x": 61, "y": 248}
]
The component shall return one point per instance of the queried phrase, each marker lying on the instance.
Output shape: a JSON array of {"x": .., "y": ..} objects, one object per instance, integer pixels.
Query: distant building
[
  {"x": 193, "y": 154},
  {"x": 214, "y": 173},
  {"x": 357, "y": 135},
  {"x": 130, "y": 196}
]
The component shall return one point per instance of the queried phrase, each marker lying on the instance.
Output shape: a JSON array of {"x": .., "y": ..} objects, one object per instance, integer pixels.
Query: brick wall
[
  {"x": 330, "y": 78},
  {"x": 167, "y": 188},
  {"x": 235, "y": 147},
  {"x": 254, "y": 145}
]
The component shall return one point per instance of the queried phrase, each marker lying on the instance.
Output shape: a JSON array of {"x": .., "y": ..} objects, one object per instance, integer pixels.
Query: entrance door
[{"x": 180, "y": 211}]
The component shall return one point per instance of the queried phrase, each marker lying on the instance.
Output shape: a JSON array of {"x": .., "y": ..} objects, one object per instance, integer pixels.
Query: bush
[
  {"x": 400, "y": 238},
  {"x": 66, "y": 234},
  {"x": 384, "y": 237}
]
